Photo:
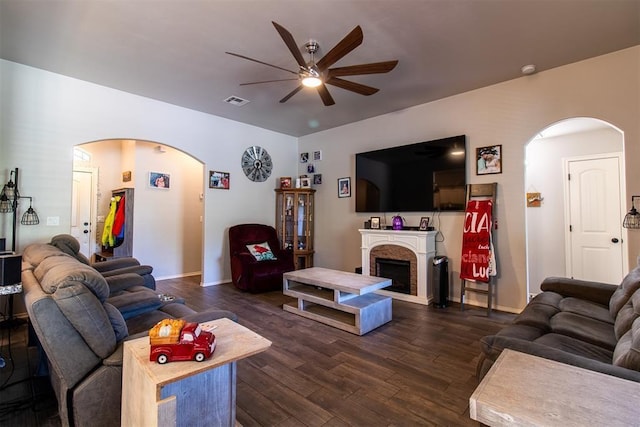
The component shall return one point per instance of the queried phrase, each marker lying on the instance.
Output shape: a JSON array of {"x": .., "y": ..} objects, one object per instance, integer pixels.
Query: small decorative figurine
[{"x": 175, "y": 339}]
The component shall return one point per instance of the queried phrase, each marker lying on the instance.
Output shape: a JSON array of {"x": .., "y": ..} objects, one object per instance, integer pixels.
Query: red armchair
[{"x": 247, "y": 272}]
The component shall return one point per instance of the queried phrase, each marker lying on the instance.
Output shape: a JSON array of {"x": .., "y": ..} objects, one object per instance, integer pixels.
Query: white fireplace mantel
[{"x": 421, "y": 243}]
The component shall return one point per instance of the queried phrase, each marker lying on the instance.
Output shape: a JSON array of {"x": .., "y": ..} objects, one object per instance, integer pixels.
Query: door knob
[
  {"x": 615, "y": 240},
  {"x": 85, "y": 231}
]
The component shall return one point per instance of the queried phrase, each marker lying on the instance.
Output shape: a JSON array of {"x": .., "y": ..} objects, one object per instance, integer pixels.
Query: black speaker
[
  {"x": 10, "y": 269},
  {"x": 440, "y": 281}
]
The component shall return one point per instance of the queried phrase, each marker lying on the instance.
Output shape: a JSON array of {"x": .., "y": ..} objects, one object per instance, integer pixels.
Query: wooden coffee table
[
  {"x": 343, "y": 300},
  {"x": 525, "y": 390}
]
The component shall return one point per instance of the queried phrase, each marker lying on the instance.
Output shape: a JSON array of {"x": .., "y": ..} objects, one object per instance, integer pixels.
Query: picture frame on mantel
[
  {"x": 375, "y": 223},
  {"x": 424, "y": 223}
]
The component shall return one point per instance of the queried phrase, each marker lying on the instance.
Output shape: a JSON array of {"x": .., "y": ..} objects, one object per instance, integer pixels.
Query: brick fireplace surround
[{"x": 417, "y": 247}]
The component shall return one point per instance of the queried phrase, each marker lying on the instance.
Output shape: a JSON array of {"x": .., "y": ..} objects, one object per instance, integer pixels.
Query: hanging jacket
[
  {"x": 108, "y": 239},
  {"x": 118, "y": 222}
]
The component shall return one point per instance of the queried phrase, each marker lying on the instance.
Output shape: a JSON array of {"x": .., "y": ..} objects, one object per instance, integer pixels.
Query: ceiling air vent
[{"x": 234, "y": 100}]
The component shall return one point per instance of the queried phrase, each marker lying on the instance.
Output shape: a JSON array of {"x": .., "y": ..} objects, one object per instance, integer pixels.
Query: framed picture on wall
[
  {"x": 159, "y": 180},
  {"x": 305, "y": 182},
  {"x": 344, "y": 187},
  {"x": 219, "y": 180},
  {"x": 489, "y": 160}
]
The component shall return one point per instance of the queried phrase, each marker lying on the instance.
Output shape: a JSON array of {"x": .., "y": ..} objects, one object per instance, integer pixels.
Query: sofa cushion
[
  {"x": 537, "y": 315},
  {"x": 586, "y": 308},
  {"x": 626, "y": 289},
  {"x": 69, "y": 245},
  {"x": 87, "y": 315},
  {"x": 36, "y": 253},
  {"x": 54, "y": 272},
  {"x": 131, "y": 304},
  {"x": 627, "y": 352},
  {"x": 117, "y": 322},
  {"x": 575, "y": 346},
  {"x": 585, "y": 329},
  {"x": 549, "y": 298},
  {"x": 627, "y": 315}
]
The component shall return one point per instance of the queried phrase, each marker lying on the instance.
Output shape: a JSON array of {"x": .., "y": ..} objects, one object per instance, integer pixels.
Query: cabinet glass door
[{"x": 288, "y": 240}]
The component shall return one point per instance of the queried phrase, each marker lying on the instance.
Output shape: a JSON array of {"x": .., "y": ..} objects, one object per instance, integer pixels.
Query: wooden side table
[
  {"x": 186, "y": 393},
  {"x": 525, "y": 390}
]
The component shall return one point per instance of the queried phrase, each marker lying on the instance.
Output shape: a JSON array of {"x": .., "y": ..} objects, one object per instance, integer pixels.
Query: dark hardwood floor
[{"x": 418, "y": 369}]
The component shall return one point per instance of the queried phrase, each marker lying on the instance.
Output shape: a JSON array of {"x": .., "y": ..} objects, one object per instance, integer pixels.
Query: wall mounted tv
[{"x": 422, "y": 177}]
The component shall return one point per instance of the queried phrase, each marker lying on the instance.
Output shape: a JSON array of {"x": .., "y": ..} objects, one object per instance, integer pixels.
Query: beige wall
[{"x": 511, "y": 114}]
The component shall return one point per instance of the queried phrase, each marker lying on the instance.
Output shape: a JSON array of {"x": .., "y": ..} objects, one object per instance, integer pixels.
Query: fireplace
[
  {"x": 399, "y": 271},
  {"x": 399, "y": 248}
]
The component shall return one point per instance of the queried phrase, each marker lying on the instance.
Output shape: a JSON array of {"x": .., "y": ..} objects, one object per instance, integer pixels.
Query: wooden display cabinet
[{"x": 294, "y": 223}]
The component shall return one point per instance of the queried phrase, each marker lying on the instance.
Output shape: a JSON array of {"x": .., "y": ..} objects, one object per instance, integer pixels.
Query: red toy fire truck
[{"x": 175, "y": 339}]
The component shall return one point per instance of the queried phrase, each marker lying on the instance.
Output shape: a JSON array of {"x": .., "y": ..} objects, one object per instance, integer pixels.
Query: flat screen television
[{"x": 422, "y": 177}]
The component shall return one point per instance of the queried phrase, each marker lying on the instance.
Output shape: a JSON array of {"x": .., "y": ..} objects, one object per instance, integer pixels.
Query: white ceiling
[{"x": 174, "y": 50}]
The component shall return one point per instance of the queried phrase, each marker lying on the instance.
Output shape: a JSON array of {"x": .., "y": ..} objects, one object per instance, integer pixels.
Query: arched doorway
[
  {"x": 167, "y": 224},
  {"x": 548, "y": 239}
]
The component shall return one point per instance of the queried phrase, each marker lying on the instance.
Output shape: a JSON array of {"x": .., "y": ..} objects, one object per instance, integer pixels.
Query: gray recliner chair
[
  {"x": 81, "y": 320},
  {"x": 114, "y": 267}
]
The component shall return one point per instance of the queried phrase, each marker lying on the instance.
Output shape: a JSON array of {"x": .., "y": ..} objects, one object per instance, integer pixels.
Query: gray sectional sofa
[
  {"x": 81, "y": 319},
  {"x": 587, "y": 324}
]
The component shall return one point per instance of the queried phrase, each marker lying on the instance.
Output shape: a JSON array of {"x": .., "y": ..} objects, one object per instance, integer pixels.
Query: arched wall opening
[
  {"x": 167, "y": 224},
  {"x": 545, "y": 157}
]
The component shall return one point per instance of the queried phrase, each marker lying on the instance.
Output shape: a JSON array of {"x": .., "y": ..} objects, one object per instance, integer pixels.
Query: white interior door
[
  {"x": 594, "y": 214},
  {"x": 81, "y": 209}
]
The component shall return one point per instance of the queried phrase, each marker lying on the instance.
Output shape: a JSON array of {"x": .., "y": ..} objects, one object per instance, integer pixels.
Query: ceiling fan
[{"x": 318, "y": 74}]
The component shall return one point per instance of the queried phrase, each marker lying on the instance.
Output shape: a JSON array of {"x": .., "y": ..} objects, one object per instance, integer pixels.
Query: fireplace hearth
[
  {"x": 399, "y": 271},
  {"x": 413, "y": 246}
]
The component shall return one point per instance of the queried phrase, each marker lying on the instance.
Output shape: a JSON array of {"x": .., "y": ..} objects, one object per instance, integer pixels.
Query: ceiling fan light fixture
[{"x": 311, "y": 81}]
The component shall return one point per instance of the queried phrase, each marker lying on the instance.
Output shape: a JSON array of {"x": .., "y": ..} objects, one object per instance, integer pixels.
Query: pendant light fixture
[
  {"x": 9, "y": 198},
  {"x": 632, "y": 218}
]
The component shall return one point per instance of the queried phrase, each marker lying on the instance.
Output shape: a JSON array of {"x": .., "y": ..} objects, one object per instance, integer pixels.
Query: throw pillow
[{"x": 261, "y": 251}]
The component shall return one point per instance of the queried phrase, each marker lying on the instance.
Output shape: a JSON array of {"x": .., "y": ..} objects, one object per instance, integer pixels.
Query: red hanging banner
[{"x": 476, "y": 241}]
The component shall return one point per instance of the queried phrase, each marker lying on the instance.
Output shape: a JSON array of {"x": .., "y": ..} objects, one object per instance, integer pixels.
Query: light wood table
[
  {"x": 186, "y": 393},
  {"x": 337, "y": 298},
  {"x": 525, "y": 390}
]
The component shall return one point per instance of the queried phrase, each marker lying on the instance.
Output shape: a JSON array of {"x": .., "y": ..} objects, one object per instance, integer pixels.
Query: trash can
[{"x": 440, "y": 281}]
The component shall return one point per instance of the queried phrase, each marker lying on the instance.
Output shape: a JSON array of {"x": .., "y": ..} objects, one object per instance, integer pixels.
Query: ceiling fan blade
[
  {"x": 260, "y": 62},
  {"x": 327, "y": 99},
  {"x": 346, "y": 45},
  {"x": 293, "y": 92},
  {"x": 352, "y": 86},
  {"x": 291, "y": 44},
  {"x": 266, "y": 81},
  {"x": 356, "y": 70}
]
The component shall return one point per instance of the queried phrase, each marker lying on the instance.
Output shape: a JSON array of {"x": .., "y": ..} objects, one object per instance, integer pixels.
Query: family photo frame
[
  {"x": 489, "y": 160},
  {"x": 344, "y": 187},
  {"x": 159, "y": 180},
  {"x": 375, "y": 223},
  {"x": 285, "y": 182},
  {"x": 219, "y": 180},
  {"x": 424, "y": 223}
]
